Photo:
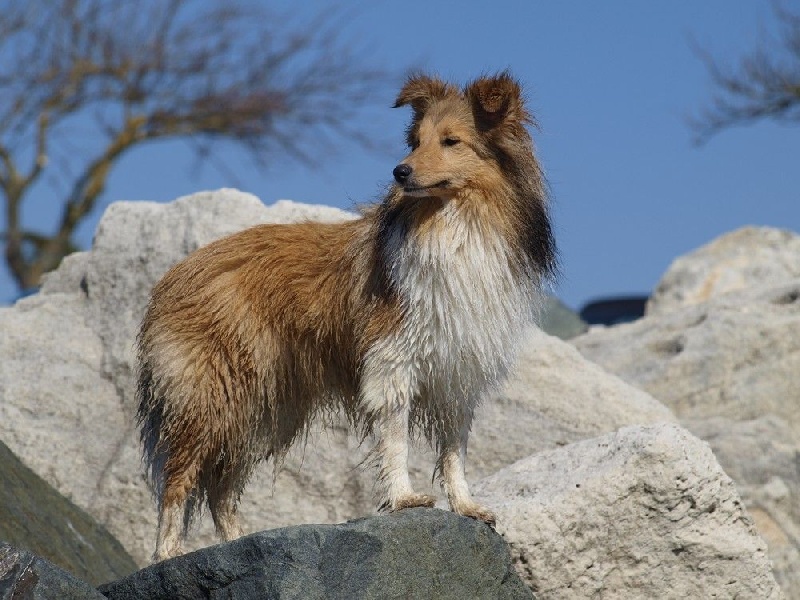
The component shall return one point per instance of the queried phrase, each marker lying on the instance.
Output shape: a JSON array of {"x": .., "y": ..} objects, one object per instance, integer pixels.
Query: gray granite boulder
[
  {"x": 417, "y": 553},
  {"x": 729, "y": 368},
  {"x": 559, "y": 320},
  {"x": 25, "y": 576}
]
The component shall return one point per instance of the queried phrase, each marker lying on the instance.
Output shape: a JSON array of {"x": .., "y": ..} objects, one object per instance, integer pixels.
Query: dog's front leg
[
  {"x": 393, "y": 455},
  {"x": 386, "y": 394},
  {"x": 452, "y": 461}
]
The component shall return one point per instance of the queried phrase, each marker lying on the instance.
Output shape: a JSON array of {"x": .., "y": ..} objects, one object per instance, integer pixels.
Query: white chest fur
[{"x": 464, "y": 310}]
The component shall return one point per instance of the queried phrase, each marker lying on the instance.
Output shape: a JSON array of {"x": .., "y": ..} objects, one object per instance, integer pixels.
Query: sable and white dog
[{"x": 402, "y": 319}]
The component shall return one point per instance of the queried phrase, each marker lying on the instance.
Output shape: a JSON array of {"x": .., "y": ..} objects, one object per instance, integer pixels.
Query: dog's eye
[{"x": 450, "y": 141}]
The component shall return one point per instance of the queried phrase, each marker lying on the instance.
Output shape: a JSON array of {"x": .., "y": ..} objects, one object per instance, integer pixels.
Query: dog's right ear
[
  {"x": 420, "y": 91},
  {"x": 497, "y": 100}
]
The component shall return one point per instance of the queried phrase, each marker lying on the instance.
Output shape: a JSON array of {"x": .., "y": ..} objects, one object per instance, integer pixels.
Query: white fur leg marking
[
  {"x": 170, "y": 533},
  {"x": 228, "y": 527},
  {"x": 393, "y": 450},
  {"x": 226, "y": 519},
  {"x": 454, "y": 477},
  {"x": 455, "y": 481},
  {"x": 387, "y": 392}
]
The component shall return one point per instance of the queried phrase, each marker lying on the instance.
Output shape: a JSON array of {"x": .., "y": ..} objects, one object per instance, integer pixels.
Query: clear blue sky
[{"x": 611, "y": 84}]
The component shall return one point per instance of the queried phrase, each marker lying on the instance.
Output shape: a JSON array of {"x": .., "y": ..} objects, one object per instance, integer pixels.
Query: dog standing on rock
[{"x": 402, "y": 319}]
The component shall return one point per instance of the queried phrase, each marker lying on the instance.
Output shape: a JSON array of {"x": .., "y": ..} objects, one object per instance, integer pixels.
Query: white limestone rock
[
  {"x": 728, "y": 367},
  {"x": 645, "y": 512},
  {"x": 750, "y": 257}
]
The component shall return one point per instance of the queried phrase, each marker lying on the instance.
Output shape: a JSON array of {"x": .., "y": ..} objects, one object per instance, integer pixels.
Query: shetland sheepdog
[{"x": 402, "y": 319}]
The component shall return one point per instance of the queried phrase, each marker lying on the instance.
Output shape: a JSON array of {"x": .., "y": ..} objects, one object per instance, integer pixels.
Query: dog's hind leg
[
  {"x": 451, "y": 465},
  {"x": 172, "y": 513},
  {"x": 223, "y": 500},
  {"x": 226, "y": 519},
  {"x": 170, "y": 526}
]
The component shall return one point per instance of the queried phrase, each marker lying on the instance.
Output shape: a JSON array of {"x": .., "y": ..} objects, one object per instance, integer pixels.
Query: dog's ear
[
  {"x": 420, "y": 91},
  {"x": 495, "y": 100}
]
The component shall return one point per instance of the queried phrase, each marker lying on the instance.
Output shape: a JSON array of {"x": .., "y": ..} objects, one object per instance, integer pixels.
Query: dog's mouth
[{"x": 422, "y": 189}]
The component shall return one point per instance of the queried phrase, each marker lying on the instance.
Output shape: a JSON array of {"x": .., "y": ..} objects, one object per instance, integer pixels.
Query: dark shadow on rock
[{"x": 36, "y": 517}]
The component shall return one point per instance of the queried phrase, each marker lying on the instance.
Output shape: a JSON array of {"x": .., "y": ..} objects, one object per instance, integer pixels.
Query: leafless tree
[
  {"x": 82, "y": 82},
  {"x": 764, "y": 84}
]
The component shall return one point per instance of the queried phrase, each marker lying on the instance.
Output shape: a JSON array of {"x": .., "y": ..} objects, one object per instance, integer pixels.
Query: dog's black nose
[{"x": 402, "y": 172}]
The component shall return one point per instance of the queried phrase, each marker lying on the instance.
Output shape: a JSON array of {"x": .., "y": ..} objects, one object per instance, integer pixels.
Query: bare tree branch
[
  {"x": 146, "y": 70},
  {"x": 764, "y": 84}
]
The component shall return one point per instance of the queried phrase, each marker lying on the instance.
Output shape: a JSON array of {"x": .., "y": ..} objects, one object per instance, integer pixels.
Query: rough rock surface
[
  {"x": 35, "y": 517},
  {"x": 417, "y": 553},
  {"x": 25, "y": 576},
  {"x": 735, "y": 356},
  {"x": 66, "y": 363},
  {"x": 645, "y": 512},
  {"x": 728, "y": 367},
  {"x": 761, "y": 456},
  {"x": 746, "y": 258}
]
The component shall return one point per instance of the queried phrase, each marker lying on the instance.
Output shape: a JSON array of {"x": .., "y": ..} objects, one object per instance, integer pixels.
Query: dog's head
[{"x": 461, "y": 139}]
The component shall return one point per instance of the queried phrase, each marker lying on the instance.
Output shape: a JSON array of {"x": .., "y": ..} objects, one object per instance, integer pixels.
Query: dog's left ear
[
  {"x": 420, "y": 91},
  {"x": 496, "y": 100}
]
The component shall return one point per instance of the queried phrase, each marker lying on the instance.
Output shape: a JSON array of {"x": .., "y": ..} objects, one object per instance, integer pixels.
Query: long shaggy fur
[{"x": 403, "y": 319}]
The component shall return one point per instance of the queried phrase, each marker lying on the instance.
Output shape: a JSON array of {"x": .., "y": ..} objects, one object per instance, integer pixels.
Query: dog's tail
[
  {"x": 150, "y": 418},
  {"x": 153, "y": 421}
]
